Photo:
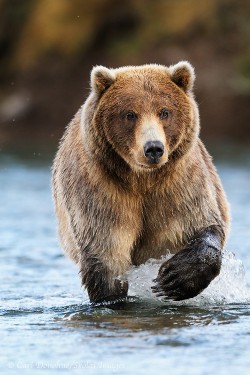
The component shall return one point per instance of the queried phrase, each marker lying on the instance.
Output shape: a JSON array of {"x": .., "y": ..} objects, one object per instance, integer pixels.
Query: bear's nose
[{"x": 153, "y": 150}]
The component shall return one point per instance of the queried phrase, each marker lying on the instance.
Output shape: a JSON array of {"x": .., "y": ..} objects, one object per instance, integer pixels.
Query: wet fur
[{"x": 113, "y": 214}]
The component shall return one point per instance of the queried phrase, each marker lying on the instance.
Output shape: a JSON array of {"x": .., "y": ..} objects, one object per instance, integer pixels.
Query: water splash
[{"x": 229, "y": 287}]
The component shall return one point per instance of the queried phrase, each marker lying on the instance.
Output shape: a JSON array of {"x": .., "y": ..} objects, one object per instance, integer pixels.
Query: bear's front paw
[{"x": 188, "y": 272}]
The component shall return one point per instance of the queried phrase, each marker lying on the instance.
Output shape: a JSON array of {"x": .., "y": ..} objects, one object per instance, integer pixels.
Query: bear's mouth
[
  {"x": 151, "y": 167},
  {"x": 144, "y": 164}
]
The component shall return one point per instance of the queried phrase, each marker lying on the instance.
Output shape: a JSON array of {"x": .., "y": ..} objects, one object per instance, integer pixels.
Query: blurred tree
[{"x": 47, "y": 48}]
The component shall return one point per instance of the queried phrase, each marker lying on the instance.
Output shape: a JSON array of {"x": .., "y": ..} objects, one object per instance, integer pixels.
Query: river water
[{"x": 47, "y": 325}]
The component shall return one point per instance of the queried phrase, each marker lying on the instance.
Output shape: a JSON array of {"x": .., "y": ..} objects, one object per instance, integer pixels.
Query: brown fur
[{"x": 114, "y": 208}]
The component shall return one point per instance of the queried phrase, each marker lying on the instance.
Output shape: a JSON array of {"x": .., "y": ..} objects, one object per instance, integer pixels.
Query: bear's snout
[{"x": 153, "y": 150}]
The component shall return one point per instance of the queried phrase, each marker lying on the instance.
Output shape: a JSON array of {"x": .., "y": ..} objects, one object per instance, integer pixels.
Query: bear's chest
[
  {"x": 165, "y": 223},
  {"x": 159, "y": 210}
]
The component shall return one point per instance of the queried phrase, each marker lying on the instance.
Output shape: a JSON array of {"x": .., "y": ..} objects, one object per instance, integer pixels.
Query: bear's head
[{"x": 145, "y": 114}]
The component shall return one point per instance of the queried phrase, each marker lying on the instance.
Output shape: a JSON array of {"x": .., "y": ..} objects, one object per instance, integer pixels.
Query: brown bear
[{"x": 132, "y": 181}]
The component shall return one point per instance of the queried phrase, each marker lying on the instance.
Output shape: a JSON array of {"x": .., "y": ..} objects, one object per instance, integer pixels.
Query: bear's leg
[
  {"x": 101, "y": 282},
  {"x": 191, "y": 270}
]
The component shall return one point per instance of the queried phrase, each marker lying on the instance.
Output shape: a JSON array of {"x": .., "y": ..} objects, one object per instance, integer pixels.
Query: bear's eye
[
  {"x": 131, "y": 116},
  {"x": 164, "y": 113}
]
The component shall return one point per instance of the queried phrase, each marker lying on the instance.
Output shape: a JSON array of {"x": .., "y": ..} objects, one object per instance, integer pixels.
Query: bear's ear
[
  {"x": 182, "y": 74},
  {"x": 101, "y": 79}
]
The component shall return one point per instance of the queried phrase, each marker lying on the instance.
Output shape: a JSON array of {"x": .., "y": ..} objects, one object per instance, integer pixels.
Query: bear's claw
[
  {"x": 168, "y": 295},
  {"x": 187, "y": 273}
]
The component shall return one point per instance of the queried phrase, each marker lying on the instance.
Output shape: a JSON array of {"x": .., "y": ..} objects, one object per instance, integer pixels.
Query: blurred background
[{"x": 48, "y": 47}]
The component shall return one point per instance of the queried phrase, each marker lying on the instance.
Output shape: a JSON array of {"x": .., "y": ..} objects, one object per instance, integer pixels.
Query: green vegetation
[{"x": 48, "y": 46}]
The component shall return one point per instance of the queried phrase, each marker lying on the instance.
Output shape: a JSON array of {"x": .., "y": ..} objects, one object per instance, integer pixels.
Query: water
[{"x": 47, "y": 325}]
